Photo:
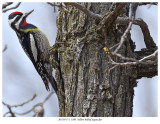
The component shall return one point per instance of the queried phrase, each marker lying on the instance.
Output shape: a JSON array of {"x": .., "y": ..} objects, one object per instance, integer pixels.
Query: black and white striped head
[{"x": 17, "y": 19}]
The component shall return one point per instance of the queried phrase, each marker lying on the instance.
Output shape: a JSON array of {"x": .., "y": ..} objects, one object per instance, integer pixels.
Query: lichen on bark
[{"x": 90, "y": 89}]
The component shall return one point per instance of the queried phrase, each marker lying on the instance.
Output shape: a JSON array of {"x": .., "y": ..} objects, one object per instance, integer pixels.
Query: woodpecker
[{"x": 35, "y": 44}]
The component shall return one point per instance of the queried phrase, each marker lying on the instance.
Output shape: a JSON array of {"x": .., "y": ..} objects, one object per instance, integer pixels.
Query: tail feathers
[
  {"x": 45, "y": 72},
  {"x": 53, "y": 83},
  {"x": 47, "y": 86}
]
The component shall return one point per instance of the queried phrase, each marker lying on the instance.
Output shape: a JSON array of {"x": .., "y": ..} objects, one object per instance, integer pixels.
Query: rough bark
[{"x": 86, "y": 85}]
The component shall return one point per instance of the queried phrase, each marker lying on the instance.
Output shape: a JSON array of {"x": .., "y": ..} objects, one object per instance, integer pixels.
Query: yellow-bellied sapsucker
[{"x": 35, "y": 44}]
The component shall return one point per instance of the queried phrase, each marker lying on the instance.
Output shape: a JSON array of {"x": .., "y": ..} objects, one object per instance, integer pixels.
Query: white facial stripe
[
  {"x": 33, "y": 47},
  {"x": 12, "y": 20},
  {"x": 19, "y": 21}
]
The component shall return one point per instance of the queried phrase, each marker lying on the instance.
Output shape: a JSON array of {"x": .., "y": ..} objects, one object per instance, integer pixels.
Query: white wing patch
[{"x": 33, "y": 47}]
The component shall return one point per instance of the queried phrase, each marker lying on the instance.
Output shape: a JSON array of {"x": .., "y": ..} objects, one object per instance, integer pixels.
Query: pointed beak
[{"x": 28, "y": 13}]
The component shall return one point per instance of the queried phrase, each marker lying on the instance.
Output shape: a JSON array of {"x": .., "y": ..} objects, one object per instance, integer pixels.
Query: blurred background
[{"x": 20, "y": 79}]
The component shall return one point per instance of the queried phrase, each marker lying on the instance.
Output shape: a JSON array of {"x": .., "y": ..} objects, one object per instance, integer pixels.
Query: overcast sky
[{"x": 21, "y": 81}]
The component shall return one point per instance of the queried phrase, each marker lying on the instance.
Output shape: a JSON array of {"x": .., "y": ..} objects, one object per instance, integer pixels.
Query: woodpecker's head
[{"x": 18, "y": 19}]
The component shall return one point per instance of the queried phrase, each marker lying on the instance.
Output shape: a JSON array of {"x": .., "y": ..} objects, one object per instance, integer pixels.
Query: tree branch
[
  {"x": 150, "y": 60},
  {"x": 49, "y": 95},
  {"x": 53, "y": 4},
  {"x": 148, "y": 71},
  {"x": 111, "y": 16},
  {"x": 146, "y": 34},
  {"x": 124, "y": 36},
  {"x": 6, "y": 4},
  {"x": 122, "y": 57},
  {"x": 133, "y": 10},
  {"x": 58, "y": 5},
  {"x": 12, "y": 7},
  {"x": 38, "y": 112},
  {"x": 11, "y": 106},
  {"x": 85, "y": 10},
  {"x": 145, "y": 3},
  {"x": 5, "y": 48}
]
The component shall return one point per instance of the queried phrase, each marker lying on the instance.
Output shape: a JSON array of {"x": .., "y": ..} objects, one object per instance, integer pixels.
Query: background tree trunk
[{"x": 88, "y": 87}]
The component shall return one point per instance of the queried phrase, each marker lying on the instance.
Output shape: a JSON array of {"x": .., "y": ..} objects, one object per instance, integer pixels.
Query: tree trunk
[{"x": 88, "y": 88}]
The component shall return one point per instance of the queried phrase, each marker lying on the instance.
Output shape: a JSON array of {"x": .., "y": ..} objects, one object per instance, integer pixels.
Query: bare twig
[
  {"x": 122, "y": 57},
  {"x": 5, "y": 114},
  {"x": 24, "y": 113},
  {"x": 85, "y": 10},
  {"x": 51, "y": 93},
  {"x": 6, "y": 4},
  {"x": 12, "y": 7},
  {"x": 146, "y": 34},
  {"x": 38, "y": 112},
  {"x": 11, "y": 106},
  {"x": 145, "y": 3},
  {"x": 154, "y": 55},
  {"x": 114, "y": 46},
  {"x": 124, "y": 36},
  {"x": 10, "y": 110},
  {"x": 5, "y": 48},
  {"x": 54, "y": 7},
  {"x": 133, "y": 10},
  {"x": 34, "y": 96},
  {"x": 58, "y": 5},
  {"x": 146, "y": 61}
]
